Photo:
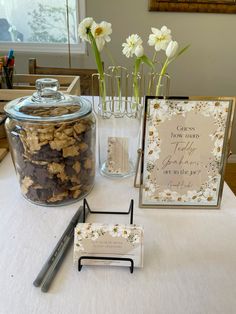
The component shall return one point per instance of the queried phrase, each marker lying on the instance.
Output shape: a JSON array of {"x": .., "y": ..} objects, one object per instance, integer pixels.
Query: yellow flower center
[
  {"x": 161, "y": 38},
  {"x": 98, "y": 31}
]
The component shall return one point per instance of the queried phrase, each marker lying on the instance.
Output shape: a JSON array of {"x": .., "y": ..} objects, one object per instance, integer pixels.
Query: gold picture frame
[
  {"x": 209, "y": 6},
  {"x": 185, "y": 146}
]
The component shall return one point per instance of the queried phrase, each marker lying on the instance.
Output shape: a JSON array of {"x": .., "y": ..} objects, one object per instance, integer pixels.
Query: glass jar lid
[{"x": 47, "y": 104}]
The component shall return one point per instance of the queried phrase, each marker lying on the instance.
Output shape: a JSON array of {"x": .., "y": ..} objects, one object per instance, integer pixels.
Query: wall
[{"x": 208, "y": 68}]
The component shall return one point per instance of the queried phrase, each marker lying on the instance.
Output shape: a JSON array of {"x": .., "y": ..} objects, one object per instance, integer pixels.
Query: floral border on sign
[
  {"x": 92, "y": 231},
  {"x": 161, "y": 110}
]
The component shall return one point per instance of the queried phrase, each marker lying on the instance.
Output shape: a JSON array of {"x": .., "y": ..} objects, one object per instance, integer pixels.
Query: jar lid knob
[{"x": 47, "y": 89}]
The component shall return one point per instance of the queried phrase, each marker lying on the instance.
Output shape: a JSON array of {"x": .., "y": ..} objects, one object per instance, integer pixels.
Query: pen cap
[{"x": 52, "y": 138}]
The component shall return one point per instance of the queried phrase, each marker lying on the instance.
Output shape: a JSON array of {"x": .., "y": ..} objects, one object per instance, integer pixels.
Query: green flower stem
[
  {"x": 102, "y": 85},
  {"x": 96, "y": 54}
]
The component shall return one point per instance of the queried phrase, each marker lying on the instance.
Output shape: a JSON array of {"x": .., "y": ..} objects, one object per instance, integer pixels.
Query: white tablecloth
[{"x": 189, "y": 259}]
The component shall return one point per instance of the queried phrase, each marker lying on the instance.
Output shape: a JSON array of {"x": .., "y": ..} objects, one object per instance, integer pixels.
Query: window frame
[{"x": 79, "y": 48}]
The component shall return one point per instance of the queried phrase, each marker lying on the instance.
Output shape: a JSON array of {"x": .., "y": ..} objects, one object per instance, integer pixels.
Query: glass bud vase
[
  {"x": 119, "y": 124},
  {"x": 158, "y": 85}
]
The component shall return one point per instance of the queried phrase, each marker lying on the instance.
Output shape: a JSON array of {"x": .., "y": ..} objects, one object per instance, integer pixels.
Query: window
[{"x": 41, "y": 25}]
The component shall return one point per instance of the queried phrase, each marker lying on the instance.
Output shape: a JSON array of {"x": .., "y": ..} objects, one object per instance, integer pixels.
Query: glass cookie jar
[{"x": 52, "y": 139}]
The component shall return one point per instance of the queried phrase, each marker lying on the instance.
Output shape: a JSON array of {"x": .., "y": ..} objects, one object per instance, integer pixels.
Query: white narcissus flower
[
  {"x": 84, "y": 26},
  {"x": 172, "y": 49},
  {"x": 132, "y": 42},
  {"x": 101, "y": 32},
  {"x": 160, "y": 38}
]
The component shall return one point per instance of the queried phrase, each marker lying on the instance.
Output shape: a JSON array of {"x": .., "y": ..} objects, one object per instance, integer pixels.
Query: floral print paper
[{"x": 159, "y": 113}]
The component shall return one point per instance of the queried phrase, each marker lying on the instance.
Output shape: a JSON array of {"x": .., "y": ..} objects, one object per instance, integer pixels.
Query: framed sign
[
  {"x": 185, "y": 147},
  {"x": 209, "y": 6}
]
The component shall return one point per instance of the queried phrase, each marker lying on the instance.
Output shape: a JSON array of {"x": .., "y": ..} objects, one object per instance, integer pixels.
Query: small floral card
[
  {"x": 118, "y": 155},
  {"x": 109, "y": 240},
  {"x": 184, "y": 152}
]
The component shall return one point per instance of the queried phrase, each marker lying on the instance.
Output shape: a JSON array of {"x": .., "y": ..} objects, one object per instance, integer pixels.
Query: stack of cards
[{"x": 109, "y": 240}]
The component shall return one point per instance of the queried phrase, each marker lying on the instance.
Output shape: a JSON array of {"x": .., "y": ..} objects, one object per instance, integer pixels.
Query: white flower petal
[
  {"x": 160, "y": 38},
  {"x": 139, "y": 51},
  {"x": 83, "y": 28},
  {"x": 100, "y": 43},
  {"x": 151, "y": 40},
  {"x": 165, "y": 30},
  {"x": 155, "y": 31},
  {"x": 101, "y": 32},
  {"x": 172, "y": 49},
  {"x": 132, "y": 42}
]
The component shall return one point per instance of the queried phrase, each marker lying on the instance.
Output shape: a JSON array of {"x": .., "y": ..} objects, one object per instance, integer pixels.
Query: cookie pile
[{"x": 56, "y": 161}]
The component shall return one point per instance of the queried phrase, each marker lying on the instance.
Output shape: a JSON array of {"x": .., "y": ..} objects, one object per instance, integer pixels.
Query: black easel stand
[
  {"x": 107, "y": 259},
  {"x": 130, "y": 211}
]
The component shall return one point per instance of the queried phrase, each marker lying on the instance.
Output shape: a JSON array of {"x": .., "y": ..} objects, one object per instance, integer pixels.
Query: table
[{"x": 189, "y": 259}]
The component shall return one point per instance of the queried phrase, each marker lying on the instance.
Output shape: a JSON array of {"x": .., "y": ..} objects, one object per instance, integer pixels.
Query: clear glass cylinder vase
[
  {"x": 118, "y": 138},
  {"x": 119, "y": 122}
]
